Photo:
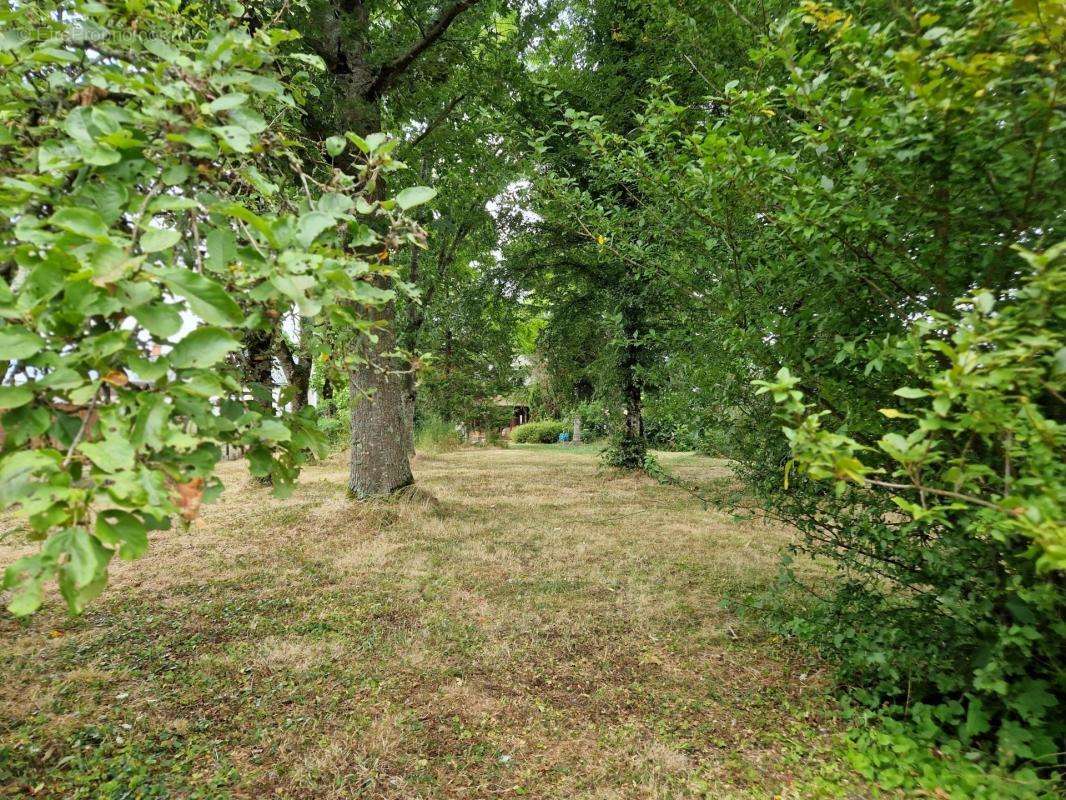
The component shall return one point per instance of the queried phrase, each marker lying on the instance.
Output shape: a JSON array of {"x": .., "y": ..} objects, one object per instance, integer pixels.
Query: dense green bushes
[
  {"x": 971, "y": 455},
  {"x": 544, "y": 432}
]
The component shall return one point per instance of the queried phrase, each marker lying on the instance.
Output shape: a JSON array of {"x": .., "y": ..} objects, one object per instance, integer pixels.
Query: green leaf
[
  {"x": 976, "y": 720},
  {"x": 81, "y": 221},
  {"x": 122, "y": 530},
  {"x": 175, "y": 175},
  {"x": 203, "y": 347},
  {"x": 274, "y": 431},
  {"x": 155, "y": 240},
  {"x": 26, "y": 598},
  {"x": 221, "y": 249},
  {"x": 110, "y": 455},
  {"x": 311, "y": 225},
  {"x": 335, "y": 203},
  {"x": 358, "y": 141},
  {"x": 87, "y": 557},
  {"x": 910, "y": 393},
  {"x": 227, "y": 102},
  {"x": 415, "y": 196},
  {"x": 159, "y": 319},
  {"x": 1033, "y": 701},
  {"x": 150, "y": 428},
  {"x": 15, "y": 396},
  {"x": 17, "y": 342},
  {"x": 335, "y": 145},
  {"x": 235, "y": 137},
  {"x": 162, "y": 50},
  {"x": 376, "y": 140},
  {"x": 207, "y": 299},
  {"x": 149, "y": 369}
]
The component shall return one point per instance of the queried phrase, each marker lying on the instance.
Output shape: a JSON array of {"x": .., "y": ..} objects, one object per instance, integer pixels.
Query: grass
[{"x": 524, "y": 624}]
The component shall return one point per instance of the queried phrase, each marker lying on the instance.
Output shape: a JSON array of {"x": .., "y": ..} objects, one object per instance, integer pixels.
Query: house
[{"x": 519, "y": 412}]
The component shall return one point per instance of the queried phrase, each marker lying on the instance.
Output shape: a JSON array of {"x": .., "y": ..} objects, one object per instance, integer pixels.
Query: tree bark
[
  {"x": 297, "y": 369},
  {"x": 379, "y": 463},
  {"x": 634, "y": 446},
  {"x": 258, "y": 360},
  {"x": 577, "y": 429}
]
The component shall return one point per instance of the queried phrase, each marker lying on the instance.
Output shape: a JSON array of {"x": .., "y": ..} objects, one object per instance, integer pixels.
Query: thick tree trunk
[
  {"x": 379, "y": 463},
  {"x": 352, "y": 100},
  {"x": 577, "y": 429}
]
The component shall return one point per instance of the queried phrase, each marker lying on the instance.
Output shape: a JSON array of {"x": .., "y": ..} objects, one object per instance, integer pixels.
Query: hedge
[{"x": 544, "y": 432}]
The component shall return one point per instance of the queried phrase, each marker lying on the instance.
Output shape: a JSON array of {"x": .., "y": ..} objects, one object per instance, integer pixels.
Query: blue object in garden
[{"x": 564, "y": 437}]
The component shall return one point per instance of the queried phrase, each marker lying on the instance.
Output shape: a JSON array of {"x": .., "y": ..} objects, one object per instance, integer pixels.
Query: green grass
[
  {"x": 529, "y": 624},
  {"x": 590, "y": 448}
]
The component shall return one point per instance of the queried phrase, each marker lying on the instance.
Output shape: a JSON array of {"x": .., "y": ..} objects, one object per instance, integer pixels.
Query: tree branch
[
  {"x": 395, "y": 68},
  {"x": 437, "y": 120}
]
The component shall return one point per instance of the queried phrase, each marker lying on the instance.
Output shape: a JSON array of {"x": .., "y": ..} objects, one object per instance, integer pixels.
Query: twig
[
  {"x": 84, "y": 425},
  {"x": 942, "y": 492}
]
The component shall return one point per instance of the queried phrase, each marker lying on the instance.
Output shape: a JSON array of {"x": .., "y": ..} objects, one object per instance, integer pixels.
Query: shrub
[
  {"x": 544, "y": 432},
  {"x": 145, "y": 196},
  {"x": 435, "y": 435},
  {"x": 595, "y": 422},
  {"x": 335, "y": 429},
  {"x": 625, "y": 452},
  {"x": 950, "y": 531}
]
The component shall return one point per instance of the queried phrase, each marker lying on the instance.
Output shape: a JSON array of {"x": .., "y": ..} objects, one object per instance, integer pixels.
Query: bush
[
  {"x": 950, "y": 531},
  {"x": 335, "y": 429},
  {"x": 595, "y": 422},
  {"x": 544, "y": 432},
  {"x": 625, "y": 452},
  {"x": 435, "y": 435}
]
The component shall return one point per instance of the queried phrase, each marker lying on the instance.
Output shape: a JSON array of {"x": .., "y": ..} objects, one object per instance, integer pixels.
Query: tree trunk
[
  {"x": 351, "y": 100},
  {"x": 410, "y": 395},
  {"x": 297, "y": 369},
  {"x": 379, "y": 463},
  {"x": 577, "y": 429},
  {"x": 633, "y": 447},
  {"x": 301, "y": 379},
  {"x": 258, "y": 366},
  {"x": 258, "y": 357}
]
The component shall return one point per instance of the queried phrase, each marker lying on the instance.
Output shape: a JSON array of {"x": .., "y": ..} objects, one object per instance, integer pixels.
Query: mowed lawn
[{"x": 526, "y": 624}]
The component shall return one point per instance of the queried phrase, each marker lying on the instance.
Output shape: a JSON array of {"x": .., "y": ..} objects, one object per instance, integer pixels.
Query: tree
[
  {"x": 584, "y": 251},
  {"x": 143, "y": 193},
  {"x": 375, "y": 52}
]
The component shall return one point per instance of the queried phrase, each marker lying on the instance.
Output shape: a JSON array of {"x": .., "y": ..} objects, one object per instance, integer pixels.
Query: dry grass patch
[{"x": 523, "y": 624}]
